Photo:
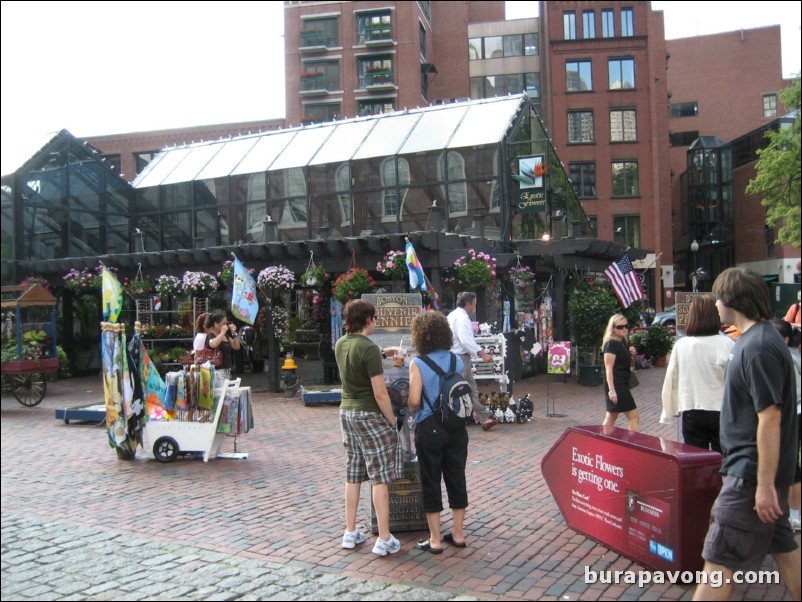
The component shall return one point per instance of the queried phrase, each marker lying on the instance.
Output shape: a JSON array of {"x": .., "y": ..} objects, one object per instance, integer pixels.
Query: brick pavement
[{"x": 280, "y": 512}]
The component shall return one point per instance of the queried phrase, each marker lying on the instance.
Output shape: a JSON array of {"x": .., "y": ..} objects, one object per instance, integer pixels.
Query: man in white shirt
[{"x": 465, "y": 346}]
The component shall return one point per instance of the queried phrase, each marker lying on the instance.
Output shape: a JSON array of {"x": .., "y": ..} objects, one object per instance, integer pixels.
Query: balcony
[
  {"x": 378, "y": 35},
  {"x": 315, "y": 41},
  {"x": 379, "y": 80}
]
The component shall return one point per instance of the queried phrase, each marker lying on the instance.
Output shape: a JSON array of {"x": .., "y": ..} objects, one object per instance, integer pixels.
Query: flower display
[
  {"x": 393, "y": 265},
  {"x": 276, "y": 278},
  {"x": 169, "y": 286},
  {"x": 471, "y": 271},
  {"x": 522, "y": 276},
  {"x": 165, "y": 331},
  {"x": 199, "y": 284},
  {"x": 86, "y": 281},
  {"x": 315, "y": 275},
  {"x": 33, "y": 279},
  {"x": 352, "y": 284},
  {"x": 138, "y": 288},
  {"x": 226, "y": 275}
]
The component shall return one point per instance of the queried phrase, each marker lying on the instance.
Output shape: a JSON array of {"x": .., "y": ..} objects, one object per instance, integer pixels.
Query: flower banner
[
  {"x": 112, "y": 296},
  {"x": 244, "y": 304},
  {"x": 416, "y": 276}
]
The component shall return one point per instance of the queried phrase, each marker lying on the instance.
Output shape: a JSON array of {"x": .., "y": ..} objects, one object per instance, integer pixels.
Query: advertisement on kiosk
[{"x": 647, "y": 498}]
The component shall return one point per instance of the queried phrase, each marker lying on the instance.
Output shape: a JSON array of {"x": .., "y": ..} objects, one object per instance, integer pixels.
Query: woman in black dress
[{"x": 618, "y": 357}]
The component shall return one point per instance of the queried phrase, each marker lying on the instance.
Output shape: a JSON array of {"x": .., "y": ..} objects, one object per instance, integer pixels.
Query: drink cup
[{"x": 399, "y": 357}]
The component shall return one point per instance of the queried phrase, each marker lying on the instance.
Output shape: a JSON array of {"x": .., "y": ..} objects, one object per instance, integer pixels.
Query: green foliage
[
  {"x": 779, "y": 172},
  {"x": 352, "y": 284},
  {"x": 657, "y": 341}
]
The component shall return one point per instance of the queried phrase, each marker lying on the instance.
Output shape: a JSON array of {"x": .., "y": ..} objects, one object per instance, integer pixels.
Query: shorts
[
  {"x": 372, "y": 448},
  {"x": 737, "y": 539}
]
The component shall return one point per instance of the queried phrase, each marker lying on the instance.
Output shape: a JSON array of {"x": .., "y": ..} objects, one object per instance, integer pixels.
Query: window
[
  {"x": 375, "y": 71},
  {"x": 608, "y": 23},
  {"x": 113, "y": 162},
  {"x": 594, "y": 225},
  {"x": 625, "y": 178},
  {"x": 627, "y": 23},
  {"x": 580, "y": 127},
  {"x": 578, "y": 76},
  {"x": 626, "y": 230},
  {"x": 769, "y": 105},
  {"x": 422, "y": 41},
  {"x": 294, "y": 210},
  {"x": 457, "y": 187},
  {"x": 321, "y": 75},
  {"x": 531, "y": 45},
  {"x": 321, "y": 112},
  {"x": 623, "y": 125},
  {"x": 374, "y": 26},
  {"x": 583, "y": 178},
  {"x": 621, "y": 74},
  {"x": 321, "y": 32},
  {"x": 141, "y": 160},
  {"x": 569, "y": 25},
  {"x": 513, "y": 45},
  {"x": 683, "y": 109},
  {"x": 343, "y": 179},
  {"x": 532, "y": 83},
  {"x": 682, "y": 138},
  {"x": 501, "y": 85},
  {"x": 375, "y": 107},
  {"x": 424, "y": 85},
  {"x": 494, "y": 47},
  {"x": 475, "y": 49},
  {"x": 393, "y": 187},
  {"x": 588, "y": 24}
]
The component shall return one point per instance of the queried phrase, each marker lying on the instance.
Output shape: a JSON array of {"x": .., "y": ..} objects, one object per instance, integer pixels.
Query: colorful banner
[
  {"x": 112, "y": 292},
  {"x": 559, "y": 359},
  {"x": 244, "y": 304},
  {"x": 531, "y": 180},
  {"x": 417, "y": 279}
]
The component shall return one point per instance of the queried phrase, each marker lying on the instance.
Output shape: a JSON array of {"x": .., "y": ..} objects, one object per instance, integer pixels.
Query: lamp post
[{"x": 694, "y": 276}]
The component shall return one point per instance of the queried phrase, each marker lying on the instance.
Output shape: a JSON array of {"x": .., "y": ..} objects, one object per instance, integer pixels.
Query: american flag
[{"x": 625, "y": 281}]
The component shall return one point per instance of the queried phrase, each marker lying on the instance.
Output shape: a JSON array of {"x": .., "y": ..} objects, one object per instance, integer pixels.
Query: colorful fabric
[
  {"x": 153, "y": 383},
  {"x": 205, "y": 390},
  {"x": 244, "y": 304},
  {"x": 417, "y": 279},
  {"x": 112, "y": 296},
  {"x": 625, "y": 281}
]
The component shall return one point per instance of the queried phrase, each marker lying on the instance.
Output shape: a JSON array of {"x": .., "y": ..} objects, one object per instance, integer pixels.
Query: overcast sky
[{"x": 118, "y": 67}]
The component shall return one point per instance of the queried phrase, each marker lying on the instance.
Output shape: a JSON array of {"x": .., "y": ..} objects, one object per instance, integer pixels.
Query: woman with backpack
[{"x": 442, "y": 452}]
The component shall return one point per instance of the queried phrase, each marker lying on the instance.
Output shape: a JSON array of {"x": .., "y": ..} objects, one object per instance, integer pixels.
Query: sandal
[
  {"x": 423, "y": 544},
  {"x": 449, "y": 538}
]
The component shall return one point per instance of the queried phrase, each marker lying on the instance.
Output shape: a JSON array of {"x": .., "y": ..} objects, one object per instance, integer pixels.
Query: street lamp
[{"x": 694, "y": 276}]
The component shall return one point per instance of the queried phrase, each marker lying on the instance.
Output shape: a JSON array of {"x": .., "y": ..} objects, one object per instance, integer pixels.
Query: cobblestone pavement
[{"x": 79, "y": 524}]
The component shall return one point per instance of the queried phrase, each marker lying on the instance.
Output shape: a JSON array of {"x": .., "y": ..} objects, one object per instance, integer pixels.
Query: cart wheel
[
  {"x": 29, "y": 389},
  {"x": 165, "y": 449}
]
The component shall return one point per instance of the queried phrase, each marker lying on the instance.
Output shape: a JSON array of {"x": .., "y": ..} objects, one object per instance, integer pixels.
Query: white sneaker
[
  {"x": 795, "y": 523},
  {"x": 352, "y": 538},
  {"x": 382, "y": 548}
]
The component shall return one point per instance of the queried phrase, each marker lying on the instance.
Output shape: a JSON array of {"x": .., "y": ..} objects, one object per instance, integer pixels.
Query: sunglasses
[{"x": 622, "y": 327}]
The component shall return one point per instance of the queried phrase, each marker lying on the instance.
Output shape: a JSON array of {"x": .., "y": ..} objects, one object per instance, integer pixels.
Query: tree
[{"x": 778, "y": 173}]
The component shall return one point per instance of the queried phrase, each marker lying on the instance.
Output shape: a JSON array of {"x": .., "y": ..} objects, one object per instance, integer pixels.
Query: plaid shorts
[
  {"x": 372, "y": 448},
  {"x": 737, "y": 539}
]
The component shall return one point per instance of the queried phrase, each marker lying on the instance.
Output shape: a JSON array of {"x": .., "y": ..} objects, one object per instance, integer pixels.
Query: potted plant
[
  {"x": 352, "y": 284},
  {"x": 138, "y": 288},
  {"x": 85, "y": 282},
  {"x": 472, "y": 271},
  {"x": 522, "y": 276},
  {"x": 199, "y": 284},
  {"x": 393, "y": 265},
  {"x": 33, "y": 279},
  {"x": 315, "y": 275},
  {"x": 169, "y": 286},
  {"x": 276, "y": 279},
  {"x": 657, "y": 341}
]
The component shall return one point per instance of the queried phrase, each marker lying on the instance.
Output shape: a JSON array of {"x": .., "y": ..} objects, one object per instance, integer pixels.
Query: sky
[{"x": 159, "y": 65}]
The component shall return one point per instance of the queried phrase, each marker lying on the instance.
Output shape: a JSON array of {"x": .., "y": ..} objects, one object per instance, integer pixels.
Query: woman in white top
[
  {"x": 200, "y": 332},
  {"x": 694, "y": 381}
]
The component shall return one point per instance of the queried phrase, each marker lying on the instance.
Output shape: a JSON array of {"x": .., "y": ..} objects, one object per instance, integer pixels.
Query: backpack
[{"x": 454, "y": 403}]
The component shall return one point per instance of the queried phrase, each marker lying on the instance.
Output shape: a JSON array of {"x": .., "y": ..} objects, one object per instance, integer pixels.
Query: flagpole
[{"x": 654, "y": 261}]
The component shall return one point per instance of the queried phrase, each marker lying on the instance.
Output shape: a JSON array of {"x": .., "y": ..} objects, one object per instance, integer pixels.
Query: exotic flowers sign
[{"x": 531, "y": 178}]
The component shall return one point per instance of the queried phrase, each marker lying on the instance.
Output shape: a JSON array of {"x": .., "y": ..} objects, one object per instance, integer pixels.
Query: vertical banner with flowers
[
  {"x": 560, "y": 357},
  {"x": 531, "y": 180},
  {"x": 112, "y": 296},
  {"x": 244, "y": 304}
]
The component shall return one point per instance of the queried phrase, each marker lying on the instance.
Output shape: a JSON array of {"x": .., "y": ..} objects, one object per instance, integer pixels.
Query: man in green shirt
[{"x": 368, "y": 426}]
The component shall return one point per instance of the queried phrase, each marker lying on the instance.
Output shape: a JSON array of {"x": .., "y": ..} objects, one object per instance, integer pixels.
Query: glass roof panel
[
  {"x": 227, "y": 159},
  {"x": 434, "y": 129},
  {"x": 387, "y": 137},
  {"x": 161, "y": 166},
  {"x": 188, "y": 169},
  {"x": 303, "y": 147},
  {"x": 263, "y": 153},
  {"x": 343, "y": 142},
  {"x": 485, "y": 123}
]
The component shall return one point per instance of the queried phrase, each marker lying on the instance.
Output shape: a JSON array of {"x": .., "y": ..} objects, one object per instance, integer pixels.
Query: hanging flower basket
[
  {"x": 522, "y": 276},
  {"x": 169, "y": 286},
  {"x": 276, "y": 278},
  {"x": 352, "y": 285},
  {"x": 138, "y": 288},
  {"x": 199, "y": 284},
  {"x": 315, "y": 275},
  {"x": 472, "y": 271},
  {"x": 33, "y": 279},
  {"x": 393, "y": 266},
  {"x": 85, "y": 282}
]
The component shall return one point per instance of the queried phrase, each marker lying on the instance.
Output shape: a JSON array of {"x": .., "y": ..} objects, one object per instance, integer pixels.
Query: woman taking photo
[
  {"x": 442, "y": 453},
  {"x": 222, "y": 335},
  {"x": 694, "y": 382},
  {"x": 618, "y": 357}
]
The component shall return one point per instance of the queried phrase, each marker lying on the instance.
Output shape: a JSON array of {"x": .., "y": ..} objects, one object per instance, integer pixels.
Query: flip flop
[
  {"x": 449, "y": 538},
  {"x": 423, "y": 544}
]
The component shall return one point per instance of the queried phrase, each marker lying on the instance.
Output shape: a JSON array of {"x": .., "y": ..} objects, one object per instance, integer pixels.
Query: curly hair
[{"x": 431, "y": 332}]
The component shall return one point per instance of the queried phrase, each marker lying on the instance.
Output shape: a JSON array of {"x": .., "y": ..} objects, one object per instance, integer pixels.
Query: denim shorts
[{"x": 737, "y": 538}]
